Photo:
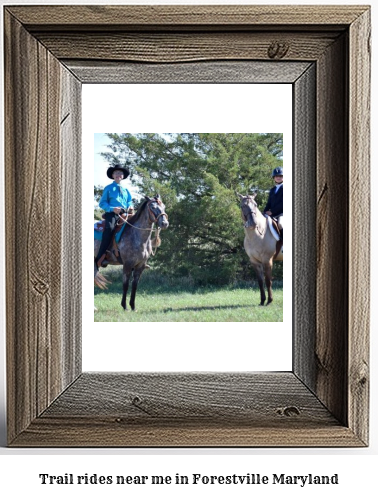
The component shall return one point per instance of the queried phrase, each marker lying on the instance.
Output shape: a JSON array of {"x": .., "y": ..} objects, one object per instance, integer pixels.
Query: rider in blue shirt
[
  {"x": 115, "y": 197},
  {"x": 115, "y": 200}
]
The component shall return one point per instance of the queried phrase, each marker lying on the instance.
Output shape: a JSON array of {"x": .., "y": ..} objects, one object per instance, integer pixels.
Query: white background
[
  {"x": 19, "y": 469},
  {"x": 186, "y": 346}
]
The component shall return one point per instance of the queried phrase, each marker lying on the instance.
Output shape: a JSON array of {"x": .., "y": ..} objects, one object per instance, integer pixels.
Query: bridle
[
  {"x": 154, "y": 220},
  {"x": 156, "y": 217},
  {"x": 254, "y": 215}
]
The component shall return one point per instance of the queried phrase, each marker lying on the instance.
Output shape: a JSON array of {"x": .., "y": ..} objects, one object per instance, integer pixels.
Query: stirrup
[{"x": 100, "y": 261}]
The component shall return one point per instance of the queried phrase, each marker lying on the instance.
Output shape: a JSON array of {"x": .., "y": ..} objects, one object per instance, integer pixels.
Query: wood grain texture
[
  {"x": 33, "y": 188},
  {"x": 359, "y": 210},
  {"x": 180, "y": 47},
  {"x": 31, "y": 149},
  {"x": 244, "y": 397},
  {"x": 197, "y": 409},
  {"x": 184, "y": 16},
  {"x": 324, "y": 402},
  {"x": 202, "y": 72},
  {"x": 304, "y": 227},
  {"x": 71, "y": 175},
  {"x": 100, "y": 432},
  {"x": 332, "y": 230}
]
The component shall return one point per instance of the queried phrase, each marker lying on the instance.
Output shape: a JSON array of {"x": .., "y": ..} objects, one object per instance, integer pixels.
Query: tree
[
  {"x": 197, "y": 176},
  {"x": 98, "y": 190}
]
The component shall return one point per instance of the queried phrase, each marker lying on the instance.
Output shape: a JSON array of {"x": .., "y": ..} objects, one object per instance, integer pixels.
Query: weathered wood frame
[{"x": 49, "y": 53}]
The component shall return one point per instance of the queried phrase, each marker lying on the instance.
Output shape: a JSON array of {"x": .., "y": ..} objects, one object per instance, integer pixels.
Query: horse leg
[
  {"x": 268, "y": 281},
  {"x": 126, "y": 277},
  {"x": 137, "y": 274},
  {"x": 260, "y": 279}
]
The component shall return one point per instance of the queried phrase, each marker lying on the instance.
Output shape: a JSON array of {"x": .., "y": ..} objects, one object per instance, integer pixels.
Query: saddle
[
  {"x": 276, "y": 227},
  {"x": 277, "y": 233},
  {"x": 112, "y": 250}
]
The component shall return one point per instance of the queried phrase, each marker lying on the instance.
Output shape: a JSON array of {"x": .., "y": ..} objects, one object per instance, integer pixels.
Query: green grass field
[{"x": 162, "y": 300}]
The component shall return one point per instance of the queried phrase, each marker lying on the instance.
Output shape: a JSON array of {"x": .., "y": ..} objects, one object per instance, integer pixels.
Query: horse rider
[
  {"x": 274, "y": 206},
  {"x": 114, "y": 201}
]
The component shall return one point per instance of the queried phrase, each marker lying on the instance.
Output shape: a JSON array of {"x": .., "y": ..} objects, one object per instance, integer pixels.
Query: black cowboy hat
[{"x": 111, "y": 170}]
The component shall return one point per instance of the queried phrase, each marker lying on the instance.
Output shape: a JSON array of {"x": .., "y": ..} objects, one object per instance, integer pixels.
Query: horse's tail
[{"x": 99, "y": 279}]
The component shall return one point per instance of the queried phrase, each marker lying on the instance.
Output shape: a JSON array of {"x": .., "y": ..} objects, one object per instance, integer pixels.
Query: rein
[
  {"x": 157, "y": 239},
  {"x": 260, "y": 231},
  {"x": 157, "y": 230},
  {"x": 125, "y": 221}
]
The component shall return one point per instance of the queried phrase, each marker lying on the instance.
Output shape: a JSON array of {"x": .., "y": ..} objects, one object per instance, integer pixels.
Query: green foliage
[
  {"x": 98, "y": 214},
  {"x": 197, "y": 176},
  {"x": 98, "y": 190}
]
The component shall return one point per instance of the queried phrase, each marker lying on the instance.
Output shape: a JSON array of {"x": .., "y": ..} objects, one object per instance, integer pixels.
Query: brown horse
[
  {"x": 260, "y": 244},
  {"x": 135, "y": 246}
]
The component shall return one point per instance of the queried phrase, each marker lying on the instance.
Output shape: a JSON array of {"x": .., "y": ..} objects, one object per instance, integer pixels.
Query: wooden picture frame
[{"x": 324, "y": 52}]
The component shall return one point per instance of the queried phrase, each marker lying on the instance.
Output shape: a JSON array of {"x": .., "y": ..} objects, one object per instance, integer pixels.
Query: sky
[{"x": 100, "y": 164}]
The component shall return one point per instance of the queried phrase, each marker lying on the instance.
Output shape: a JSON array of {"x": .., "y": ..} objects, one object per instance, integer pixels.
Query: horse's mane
[{"x": 138, "y": 213}]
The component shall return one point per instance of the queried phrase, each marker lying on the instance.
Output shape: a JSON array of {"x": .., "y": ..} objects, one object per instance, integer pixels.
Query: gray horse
[
  {"x": 135, "y": 246},
  {"x": 259, "y": 244}
]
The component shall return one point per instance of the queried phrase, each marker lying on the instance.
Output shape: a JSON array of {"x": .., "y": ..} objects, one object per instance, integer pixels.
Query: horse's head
[
  {"x": 156, "y": 210},
  {"x": 249, "y": 210}
]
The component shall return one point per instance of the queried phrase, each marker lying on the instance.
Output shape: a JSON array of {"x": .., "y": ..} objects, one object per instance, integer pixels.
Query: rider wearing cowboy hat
[
  {"x": 115, "y": 200},
  {"x": 274, "y": 206}
]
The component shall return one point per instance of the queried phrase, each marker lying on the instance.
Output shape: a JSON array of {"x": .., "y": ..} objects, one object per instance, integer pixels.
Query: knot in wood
[
  {"x": 278, "y": 50},
  {"x": 288, "y": 411},
  {"x": 40, "y": 287},
  {"x": 140, "y": 404},
  {"x": 363, "y": 381},
  {"x": 362, "y": 375},
  {"x": 136, "y": 400}
]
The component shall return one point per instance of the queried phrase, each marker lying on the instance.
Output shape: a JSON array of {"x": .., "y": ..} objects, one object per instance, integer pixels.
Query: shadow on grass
[
  {"x": 154, "y": 282},
  {"x": 206, "y": 308}
]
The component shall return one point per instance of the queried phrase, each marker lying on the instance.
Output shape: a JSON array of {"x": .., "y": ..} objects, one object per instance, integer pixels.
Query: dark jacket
[{"x": 275, "y": 202}]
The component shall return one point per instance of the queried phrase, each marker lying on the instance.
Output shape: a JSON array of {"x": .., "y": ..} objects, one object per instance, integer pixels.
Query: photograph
[{"x": 209, "y": 242}]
